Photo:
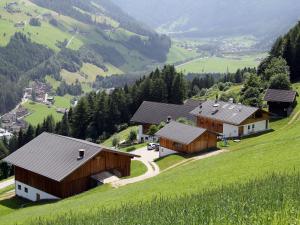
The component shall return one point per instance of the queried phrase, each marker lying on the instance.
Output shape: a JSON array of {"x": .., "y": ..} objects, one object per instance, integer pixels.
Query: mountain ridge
[{"x": 215, "y": 18}]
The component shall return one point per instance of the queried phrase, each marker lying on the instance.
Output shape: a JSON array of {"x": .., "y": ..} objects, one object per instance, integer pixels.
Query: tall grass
[{"x": 272, "y": 200}]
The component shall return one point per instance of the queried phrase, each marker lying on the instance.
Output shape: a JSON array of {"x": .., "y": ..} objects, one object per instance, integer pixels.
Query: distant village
[{"x": 13, "y": 121}]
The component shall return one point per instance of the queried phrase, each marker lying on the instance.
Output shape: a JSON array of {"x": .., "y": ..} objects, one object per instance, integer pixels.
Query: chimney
[
  {"x": 240, "y": 107},
  {"x": 169, "y": 119},
  {"x": 81, "y": 154}
]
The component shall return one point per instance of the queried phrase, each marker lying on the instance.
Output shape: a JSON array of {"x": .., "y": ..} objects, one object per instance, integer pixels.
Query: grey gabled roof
[
  {"x": 156, "y": 112},
  {"x": 224, "y": 111},
  {"x": 181, "y": 133},
  {"x": 54, "y": 156},
  {"x": 273, "y": 95}
]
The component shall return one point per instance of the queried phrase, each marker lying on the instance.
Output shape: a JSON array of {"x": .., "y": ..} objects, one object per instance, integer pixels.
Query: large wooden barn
[
  {"x": 281, "y": 102},
  {"x": 154, "y": 113},
  {"x": 182, "y": 138},
  {"x": 231, "y": 120},
  {"x": 53, "y": 166}
]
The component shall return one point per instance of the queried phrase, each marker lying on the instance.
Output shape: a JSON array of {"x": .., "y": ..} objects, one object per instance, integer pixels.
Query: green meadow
[
  {"x": 258, "y": 177},
  {"x": 220, "y": 64}
]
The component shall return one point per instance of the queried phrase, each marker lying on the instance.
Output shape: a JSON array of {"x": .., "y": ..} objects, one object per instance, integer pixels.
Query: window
[
  {"x": 249, "y": 127},
  {"x": 177, "y": 145},
  {"x": 253, "y": 126},
  {"x": 19, "y": 187},
  {"x": 26, "y": 190}
]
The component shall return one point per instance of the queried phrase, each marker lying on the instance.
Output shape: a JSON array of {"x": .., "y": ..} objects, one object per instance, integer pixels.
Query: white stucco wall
[
  {"x": 146, "y": 137},
  {"x": 258, "y": 127},
  {"x": 230, "y": 131},
  {"x": 31, "y": 194},
  {"x": 165, "y": 151}
]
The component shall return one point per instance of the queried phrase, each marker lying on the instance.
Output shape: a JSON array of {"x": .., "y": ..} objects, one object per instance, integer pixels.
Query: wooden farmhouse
[
  {"x": 154, "y": 113},
  {"x": 281, "y": 102},
  {"x": 231, "y": 120},
  {"x": 178, "y": 137},
  {"x": 54, "y": 167}
]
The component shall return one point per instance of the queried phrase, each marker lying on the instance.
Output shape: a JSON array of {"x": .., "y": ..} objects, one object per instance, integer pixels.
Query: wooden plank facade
[
  {"x": 210, "y": 124},
  {"x": 205, "y": 141},
  {"x": 218, "y": 126},
  {"x": 80, "y": 180}
]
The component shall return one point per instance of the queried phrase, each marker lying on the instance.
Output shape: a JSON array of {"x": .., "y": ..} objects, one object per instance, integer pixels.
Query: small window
[
  {"x": 19, "y": 187},
  {"x": 26, "y": 190},
  {"x": 253, "y": 126},
  {"x": 249, "y": 127}
]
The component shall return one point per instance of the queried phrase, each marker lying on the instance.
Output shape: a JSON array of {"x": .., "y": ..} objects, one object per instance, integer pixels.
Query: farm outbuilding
[
  {"x": 177, "y": 137},
  {"x": 54, "y": 167},
  {"x": 281, "y": 102}
]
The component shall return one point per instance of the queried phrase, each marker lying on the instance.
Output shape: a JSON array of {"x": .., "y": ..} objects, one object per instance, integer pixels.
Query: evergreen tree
[
  {"x": 79, "y": 120},
  {"x": 179, "y": 89},
  {"x": 29, "y": 135}
]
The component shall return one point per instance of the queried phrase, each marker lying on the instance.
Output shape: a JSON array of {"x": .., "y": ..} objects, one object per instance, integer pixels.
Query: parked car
[{"x": 151, "y": 146}]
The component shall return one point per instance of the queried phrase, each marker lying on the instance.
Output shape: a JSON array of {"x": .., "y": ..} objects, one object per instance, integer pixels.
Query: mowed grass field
[
  {"x": 178, "y": 53},
  {"x": 256, "y": 182},
  {"x": 40, "y": 111},
  {"x": 220, "y": 65}
]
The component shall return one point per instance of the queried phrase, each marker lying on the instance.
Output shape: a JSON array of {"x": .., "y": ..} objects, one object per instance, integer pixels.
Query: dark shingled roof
[
  {"x": 181, "y": 133},
  {"x": 273, "y": 95},
  {"x": 54, "y": 156},
  {"x": 225, "y": 111},
  {"x": 155, "y": 112}
]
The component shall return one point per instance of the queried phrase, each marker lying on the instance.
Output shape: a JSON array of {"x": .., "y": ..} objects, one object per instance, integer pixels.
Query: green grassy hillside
[
  {"x": 109, "y": 41},
  {"x": 240, "y": 181}
]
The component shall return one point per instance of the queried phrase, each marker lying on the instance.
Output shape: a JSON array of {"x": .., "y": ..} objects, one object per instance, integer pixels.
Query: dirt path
[
  {"x": 294, "y": 118},
  {"x": 7, "y": 195},
  {"x": 196, "y": 158}
]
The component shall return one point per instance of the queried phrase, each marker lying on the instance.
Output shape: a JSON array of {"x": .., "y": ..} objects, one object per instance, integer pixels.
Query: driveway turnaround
[{"x": 147, "y": 157}]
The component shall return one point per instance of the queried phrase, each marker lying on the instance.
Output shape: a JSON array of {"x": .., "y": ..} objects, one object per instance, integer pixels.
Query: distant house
[
  {"x": 154, "y": 113},
  {"x": 231, "y": 120},
  {"x": 5, "y": 134},
  {"x": 53, "y": 166},
  {"x": 178, "y": 137},
  {"x": 281, "y": 102}
]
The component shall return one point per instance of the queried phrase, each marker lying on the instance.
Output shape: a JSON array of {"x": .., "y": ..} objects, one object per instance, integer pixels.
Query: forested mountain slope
[
  {"x": 288, "y": 47},
  {"x": 196, "y": 18},
  {"x": 94, "y": 35}
]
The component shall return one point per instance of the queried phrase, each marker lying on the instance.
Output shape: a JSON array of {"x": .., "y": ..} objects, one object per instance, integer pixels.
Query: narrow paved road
[
  {"x": 7, "y": 183},
  {"x": 70, "y": 41},
  {"x": 147, "y": 157},
  {"x": 190, "y": 61}
]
